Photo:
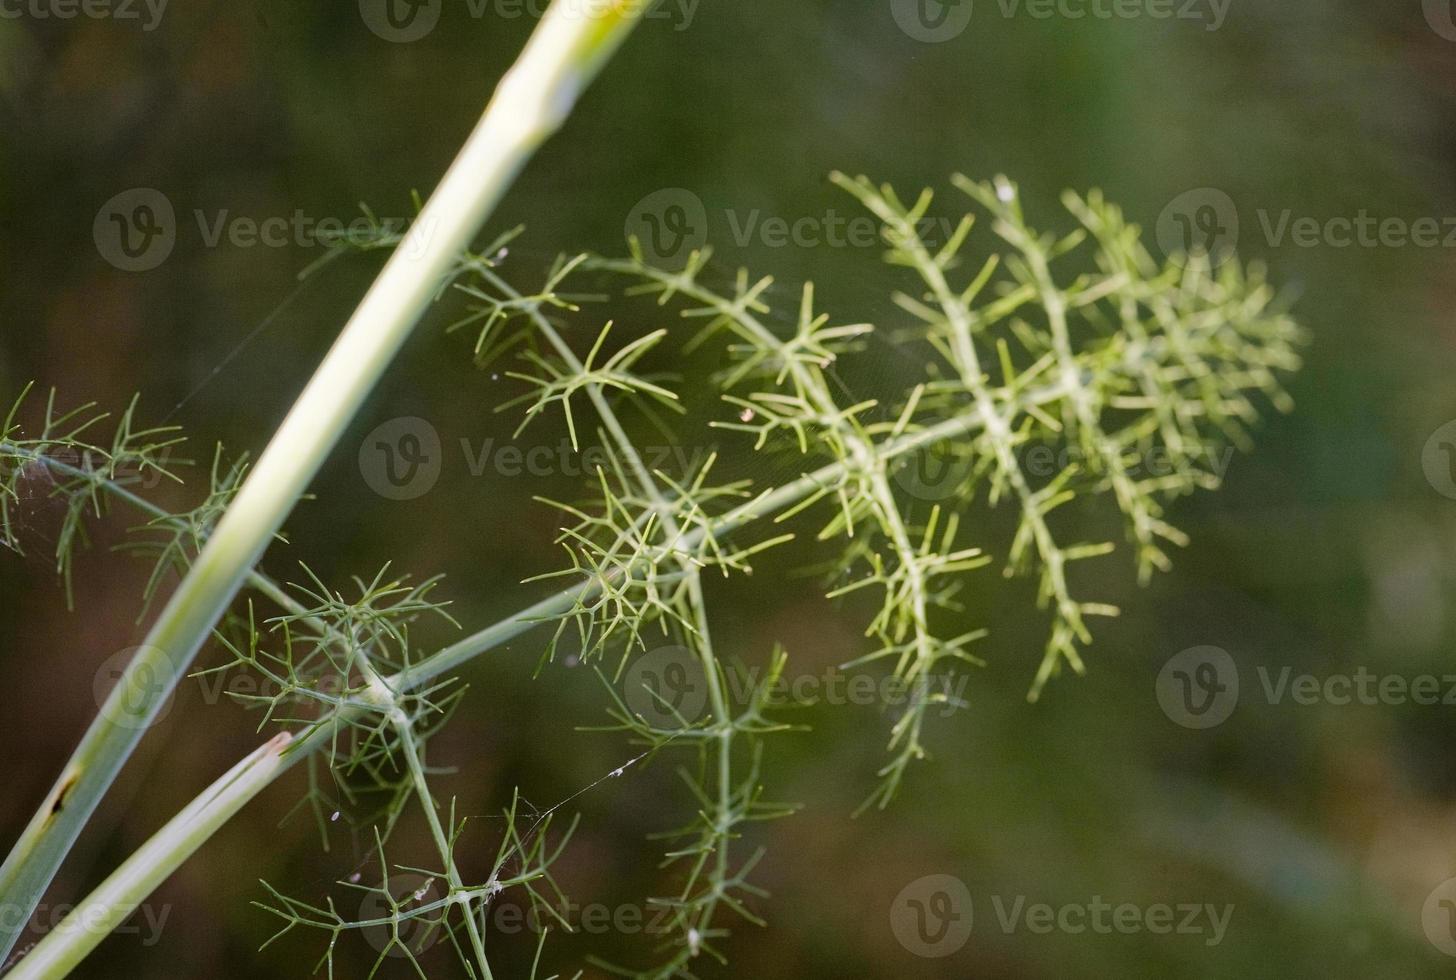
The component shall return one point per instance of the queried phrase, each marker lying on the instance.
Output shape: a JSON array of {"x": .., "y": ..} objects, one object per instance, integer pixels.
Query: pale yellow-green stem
[
  {"x": 568, "y": 47},
  {"x": 171, "y": 846},
  {"x": 119, "y": 896}
]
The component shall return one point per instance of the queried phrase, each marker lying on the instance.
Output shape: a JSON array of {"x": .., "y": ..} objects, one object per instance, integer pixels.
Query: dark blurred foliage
[{"x": 1325, "y": 826}]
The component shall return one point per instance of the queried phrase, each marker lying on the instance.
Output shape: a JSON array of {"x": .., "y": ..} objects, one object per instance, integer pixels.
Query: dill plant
[{"x": 1078, "y": 340}]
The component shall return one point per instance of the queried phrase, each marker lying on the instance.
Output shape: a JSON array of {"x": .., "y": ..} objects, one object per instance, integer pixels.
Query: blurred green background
[{"x": 1326, "y": 827}]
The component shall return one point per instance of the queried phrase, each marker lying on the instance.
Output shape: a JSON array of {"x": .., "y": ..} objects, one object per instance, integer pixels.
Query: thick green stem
[
  {"x": 154, "y": 864},
  {"x": 566, "y": 50},
  {"x": 119, "y": 896}
]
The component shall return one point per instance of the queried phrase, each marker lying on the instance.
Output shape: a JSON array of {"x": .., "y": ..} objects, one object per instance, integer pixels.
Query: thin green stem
[
  {"x": 674, "y": 534},
  {"x": 154, "y": 864},
  {"x": 256, "y": 579},
  {"x": 967, "y": 362},
  {"x": 866, "y": 458},
  {"x": 410, "y": 747},
  {"x": 566, "y": 50}
]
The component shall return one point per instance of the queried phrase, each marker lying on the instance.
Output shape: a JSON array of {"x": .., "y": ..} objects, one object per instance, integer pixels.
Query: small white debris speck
[{"x": 746, "y": 415}]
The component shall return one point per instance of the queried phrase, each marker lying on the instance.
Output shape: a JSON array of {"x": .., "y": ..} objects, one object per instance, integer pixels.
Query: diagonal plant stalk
[
  {"x": 566, "y": 50},
  {"x": 403, "y": 724},
  {"x": 858, "y": 456},
  {"x": 119, "y": 896},
  {"x": 124, "y": 891}
]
